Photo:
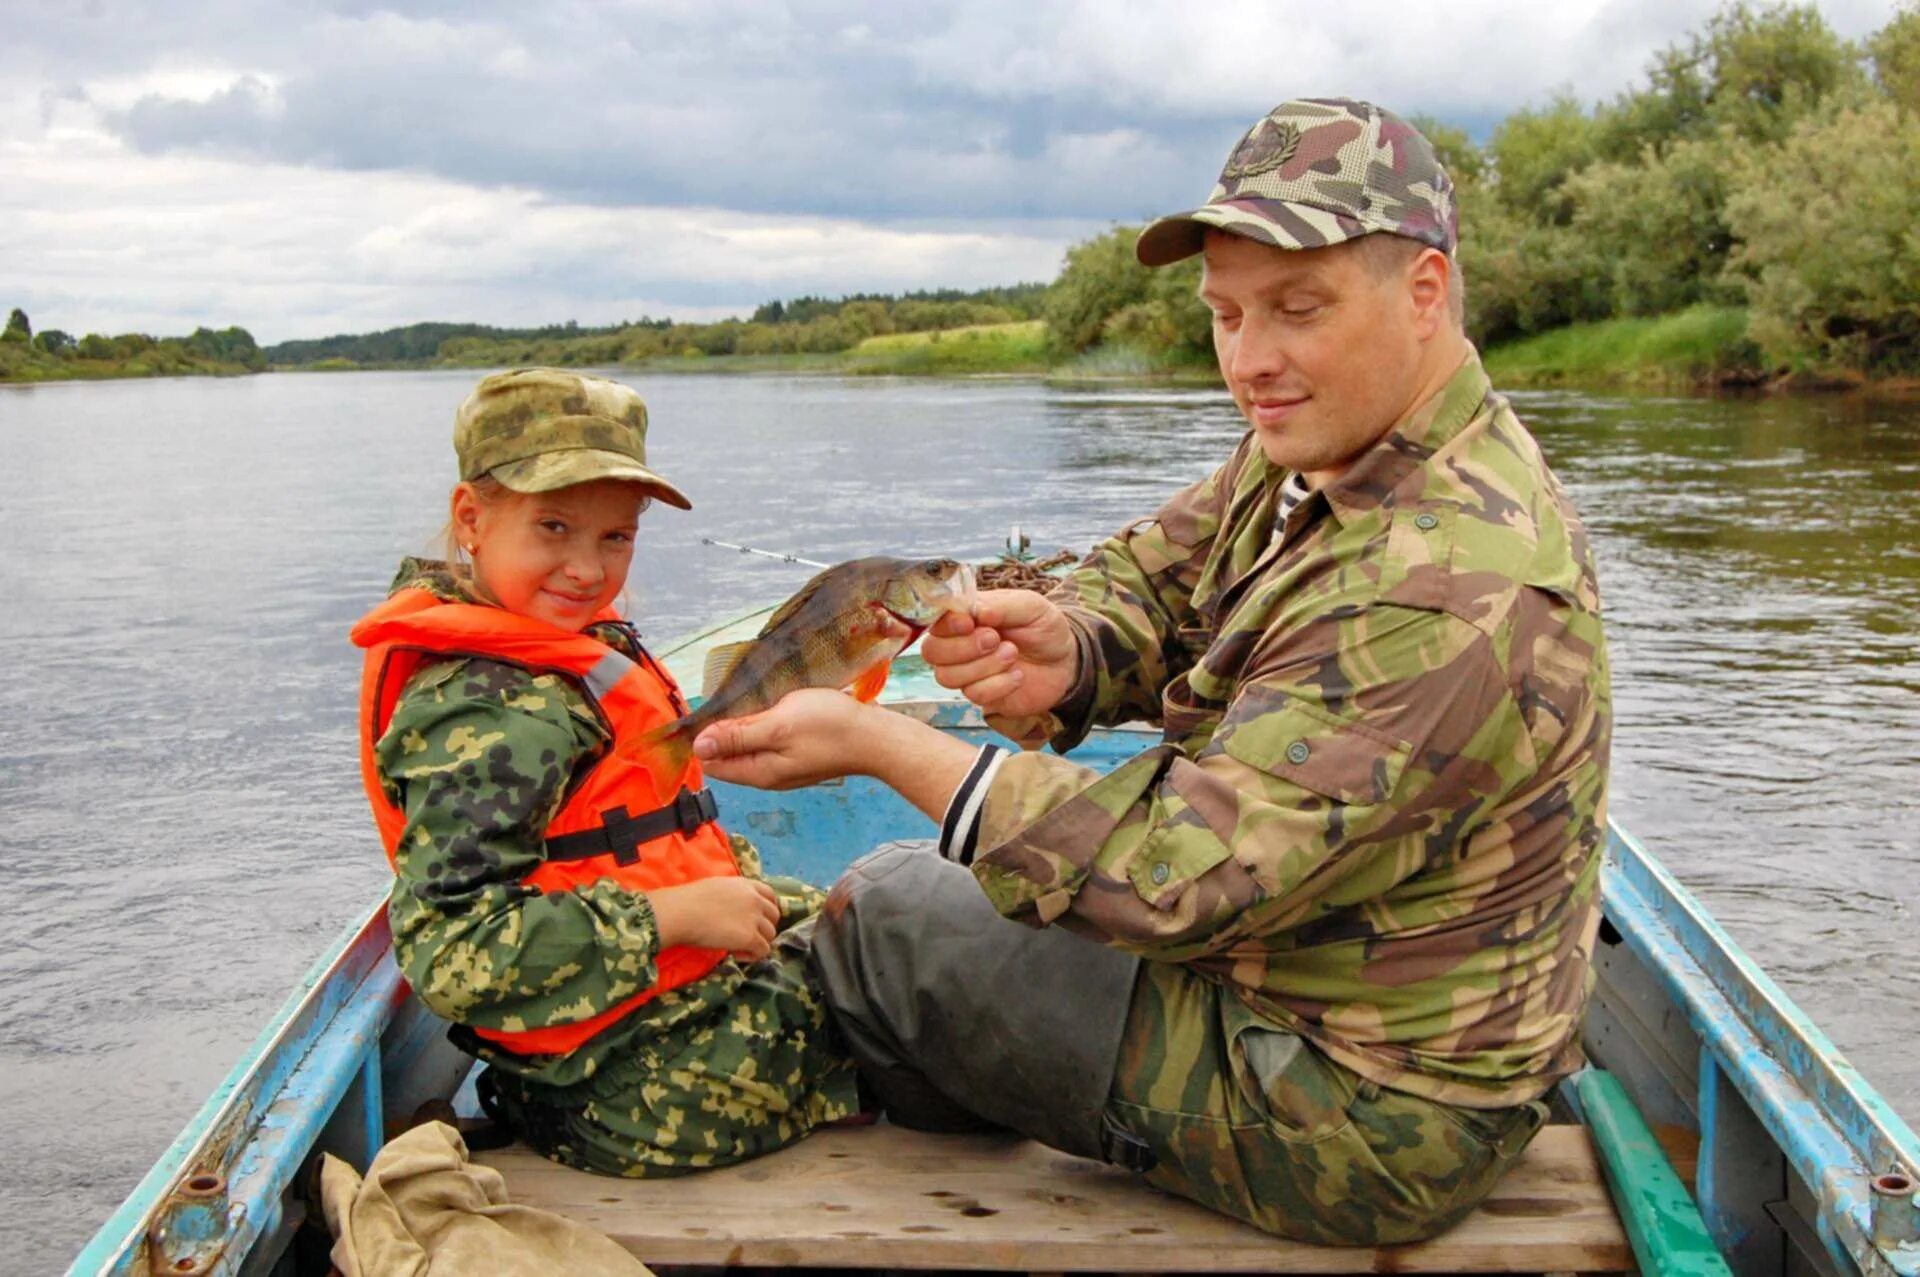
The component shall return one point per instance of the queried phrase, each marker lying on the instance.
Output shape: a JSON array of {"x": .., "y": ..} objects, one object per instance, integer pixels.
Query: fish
[{"x": 833, "y": 632}]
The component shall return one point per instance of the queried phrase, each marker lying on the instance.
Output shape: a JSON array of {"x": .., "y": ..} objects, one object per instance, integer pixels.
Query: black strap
[{"x": 621, "y": 836}]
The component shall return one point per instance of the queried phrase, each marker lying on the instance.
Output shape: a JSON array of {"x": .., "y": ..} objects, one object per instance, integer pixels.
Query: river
[{"x": 180, "y": 813}]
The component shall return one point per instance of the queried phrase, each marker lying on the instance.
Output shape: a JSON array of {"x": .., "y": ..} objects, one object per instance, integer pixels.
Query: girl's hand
[
  {"x": 739, "y": 915},
  {"x": 810, "y": 736}
]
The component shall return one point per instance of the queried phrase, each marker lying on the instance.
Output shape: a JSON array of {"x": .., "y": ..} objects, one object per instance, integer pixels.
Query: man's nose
[{"x": 1259, "y": 354}]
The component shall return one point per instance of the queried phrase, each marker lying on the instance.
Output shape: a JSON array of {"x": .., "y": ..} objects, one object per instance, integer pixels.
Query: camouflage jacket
[
  {"x": 1377, "y": 812},
  {"x": 478, "y": 947}
]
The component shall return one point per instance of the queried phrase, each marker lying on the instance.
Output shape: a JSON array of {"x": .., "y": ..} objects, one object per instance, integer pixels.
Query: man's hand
[
  {"x": 739, "y": 915},
  {"x": 1014, "y": 657},
  {"x": 810, "y": 736}
]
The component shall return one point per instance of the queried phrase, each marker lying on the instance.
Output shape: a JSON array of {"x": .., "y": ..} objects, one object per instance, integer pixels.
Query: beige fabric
[{"x": 424, "y": 1210}]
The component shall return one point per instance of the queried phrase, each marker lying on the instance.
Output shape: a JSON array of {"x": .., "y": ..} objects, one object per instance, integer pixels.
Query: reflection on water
[{"x": 183, "y": 827}]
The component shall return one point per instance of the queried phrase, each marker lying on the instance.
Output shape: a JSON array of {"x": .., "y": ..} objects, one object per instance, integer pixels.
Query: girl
[{"x": 569, "y": 901}]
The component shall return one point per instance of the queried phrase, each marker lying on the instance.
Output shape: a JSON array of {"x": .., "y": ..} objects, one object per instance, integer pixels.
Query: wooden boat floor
[{"x": 883, "y": 1197}]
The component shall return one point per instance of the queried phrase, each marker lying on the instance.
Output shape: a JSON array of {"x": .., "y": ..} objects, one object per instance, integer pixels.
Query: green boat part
[{"x": 1668, "y": 1235}]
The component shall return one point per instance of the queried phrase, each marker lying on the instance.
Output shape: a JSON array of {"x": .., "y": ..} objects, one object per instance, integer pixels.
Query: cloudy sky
[{"x": 304, "y": 167}]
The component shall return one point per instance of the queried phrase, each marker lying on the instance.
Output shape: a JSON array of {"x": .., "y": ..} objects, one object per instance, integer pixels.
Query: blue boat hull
[{"x": 1791, "y": 1138}]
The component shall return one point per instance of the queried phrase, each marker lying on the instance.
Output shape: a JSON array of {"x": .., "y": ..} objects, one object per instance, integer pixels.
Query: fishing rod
[{"x": 765, "y": 554}]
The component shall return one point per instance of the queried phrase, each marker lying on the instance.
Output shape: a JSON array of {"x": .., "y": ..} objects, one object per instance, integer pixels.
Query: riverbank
[
  {"x": 24, "y": 365},
  {"x": 1700, "y": 349}
]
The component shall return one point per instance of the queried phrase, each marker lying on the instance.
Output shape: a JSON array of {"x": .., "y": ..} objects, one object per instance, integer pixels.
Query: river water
[{"x": 181, "y": 824}]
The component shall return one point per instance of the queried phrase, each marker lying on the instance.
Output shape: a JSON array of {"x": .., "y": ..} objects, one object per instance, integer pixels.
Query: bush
[
  {"x": 1829, "y": 256},
  {"x": 1657, "y": 229}
]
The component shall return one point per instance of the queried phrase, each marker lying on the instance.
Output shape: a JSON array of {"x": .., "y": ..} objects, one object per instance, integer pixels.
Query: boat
[{"x": 1788, "y": 1161}]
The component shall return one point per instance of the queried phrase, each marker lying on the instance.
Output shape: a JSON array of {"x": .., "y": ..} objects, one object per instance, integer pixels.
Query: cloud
[
  {"x": 101, "y": 239},
  {"x": 492, "y": 159}
]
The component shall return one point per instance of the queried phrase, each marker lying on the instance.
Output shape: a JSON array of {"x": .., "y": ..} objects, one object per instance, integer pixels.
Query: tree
[
  {"x": 1657, "y": 229},
  {"x": 1896, "y": 56},
  {"x": 52, "y": 341},
  {"x": 18, "y": 329},
  {"x": 1535, "y": 151},
  {"x": 1100, "y": 278},
  {"x": 1829, "y": 258}
]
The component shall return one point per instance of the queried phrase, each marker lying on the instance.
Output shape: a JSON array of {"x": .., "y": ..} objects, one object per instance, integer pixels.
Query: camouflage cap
[
  {"x": 1319, "y": 171},
  {"x": 538, "y": 429}
]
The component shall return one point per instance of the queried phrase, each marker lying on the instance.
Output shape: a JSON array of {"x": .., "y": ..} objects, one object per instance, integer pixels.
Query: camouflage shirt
[
  {"x": 479, "y": 754},
  {"x": 1378, "y": 810}
]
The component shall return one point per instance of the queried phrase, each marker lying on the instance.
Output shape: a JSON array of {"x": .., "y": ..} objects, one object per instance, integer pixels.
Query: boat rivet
[
  {"x": 1160, "y": 872},
  {"x": 1426, "y": 522},
  {"x": 1298, "y": 752}
]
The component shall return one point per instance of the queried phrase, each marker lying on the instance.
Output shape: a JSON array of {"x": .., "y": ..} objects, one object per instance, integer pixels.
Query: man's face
[{"x": 1321, "y": 351}]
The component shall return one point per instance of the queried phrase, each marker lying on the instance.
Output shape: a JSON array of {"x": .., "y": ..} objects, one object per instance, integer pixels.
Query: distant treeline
[
  {"x": 802, "y": 325},
  {"x": 1766, "y": 164},
  {"x": 51, "y": 354}
]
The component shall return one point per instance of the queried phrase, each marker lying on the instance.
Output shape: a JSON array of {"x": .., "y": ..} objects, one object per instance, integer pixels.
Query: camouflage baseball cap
[
  {"x": 1319, "y": 171},
  {"x": 538, "y": 429}
]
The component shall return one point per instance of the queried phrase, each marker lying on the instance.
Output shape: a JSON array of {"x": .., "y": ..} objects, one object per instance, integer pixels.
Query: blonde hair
[{"x": 487, "y": 490}]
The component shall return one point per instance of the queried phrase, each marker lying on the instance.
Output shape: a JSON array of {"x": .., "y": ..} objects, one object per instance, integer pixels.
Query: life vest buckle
[{"x": 621, "y": 834}]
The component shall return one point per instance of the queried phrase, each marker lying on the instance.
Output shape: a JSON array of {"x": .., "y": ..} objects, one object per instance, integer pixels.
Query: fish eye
[{"x": 932, "y": 566}]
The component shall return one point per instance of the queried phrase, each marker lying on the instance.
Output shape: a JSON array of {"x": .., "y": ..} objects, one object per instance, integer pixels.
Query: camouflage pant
[
  {"x": 750, "y": 1075},
  {"x": 1235, "y": 1113},
  {"x": 1253, "y": 1122}
]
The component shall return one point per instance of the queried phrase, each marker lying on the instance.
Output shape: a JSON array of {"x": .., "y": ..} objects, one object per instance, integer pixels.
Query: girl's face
[{"x": 560, "y": 556}]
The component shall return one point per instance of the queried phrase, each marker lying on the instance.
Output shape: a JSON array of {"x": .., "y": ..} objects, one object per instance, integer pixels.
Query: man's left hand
[{"x": 810, "y": 736}]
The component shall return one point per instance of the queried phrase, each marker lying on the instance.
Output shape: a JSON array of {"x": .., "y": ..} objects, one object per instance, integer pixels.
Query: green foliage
[
  {"x": 1699, "y": 344},
  {"x": 1099, "y": 279},
  {"x": 1658, "y": 228},
  {"x": 1896, "y": 56},
  {"x": 18, "y": 329},
  {"x": 1535, "y": 151},
  {"x": 1018, "y": 346},
  {"x": 1829, "y": 255},
  {"x": 51, "y": 341},
  {"x": 1522, "y": 276}
]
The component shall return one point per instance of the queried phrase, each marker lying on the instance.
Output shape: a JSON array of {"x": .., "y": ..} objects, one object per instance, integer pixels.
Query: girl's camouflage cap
[
  {"x": 1319, "y": 171},
  {"x": 538, "y": 429}
]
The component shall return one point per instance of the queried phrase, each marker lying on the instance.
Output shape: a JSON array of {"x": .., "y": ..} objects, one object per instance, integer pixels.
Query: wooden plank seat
[{"x": 882, "y": 1197}]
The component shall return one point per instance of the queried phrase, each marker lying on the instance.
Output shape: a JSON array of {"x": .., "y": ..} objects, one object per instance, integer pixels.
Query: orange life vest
[{"x": 610, "y": 824}]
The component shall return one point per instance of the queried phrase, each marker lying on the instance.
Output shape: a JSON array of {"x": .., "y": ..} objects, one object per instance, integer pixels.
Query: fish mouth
[{"x": 915, "y": 628}]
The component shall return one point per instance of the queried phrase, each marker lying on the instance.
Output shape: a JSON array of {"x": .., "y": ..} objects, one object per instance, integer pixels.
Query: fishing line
[{"x": 765, "y": 554}]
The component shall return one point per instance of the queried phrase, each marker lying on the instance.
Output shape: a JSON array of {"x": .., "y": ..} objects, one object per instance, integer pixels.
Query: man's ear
[{"x": 1427, "y": 282}]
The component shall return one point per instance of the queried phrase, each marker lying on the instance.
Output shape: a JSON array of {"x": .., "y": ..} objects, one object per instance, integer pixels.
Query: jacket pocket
[{"x": 1301, "y": 741}]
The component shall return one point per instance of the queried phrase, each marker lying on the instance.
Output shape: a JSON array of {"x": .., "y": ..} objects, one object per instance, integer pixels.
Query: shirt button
[
  {"x": 1298, "y": 752},
  {"x": 1160, "y": 874},
  {"x": 1426, "y": 522}
]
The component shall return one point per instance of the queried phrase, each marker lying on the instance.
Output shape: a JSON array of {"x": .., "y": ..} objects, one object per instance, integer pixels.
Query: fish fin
[
  {"x": 722, "y": 661},
  {"x": 786, "y": 610},
  {"x": 668, "y": 749},
  {"x": 867, "y": 686}
]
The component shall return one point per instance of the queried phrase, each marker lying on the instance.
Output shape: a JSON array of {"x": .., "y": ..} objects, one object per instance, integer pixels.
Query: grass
[
  {"x": 1699, "y": 346},
  {"x": 1019, "y": 347}
]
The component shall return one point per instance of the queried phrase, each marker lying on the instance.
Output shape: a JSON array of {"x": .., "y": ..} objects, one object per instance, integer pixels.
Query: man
[{"x": 1359, "y": 875}]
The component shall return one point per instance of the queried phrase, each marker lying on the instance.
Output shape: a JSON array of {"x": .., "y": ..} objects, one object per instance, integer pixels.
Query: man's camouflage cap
[
  {"x": 1319, "y": 171},
  {"x": 538, "y": 429}
]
